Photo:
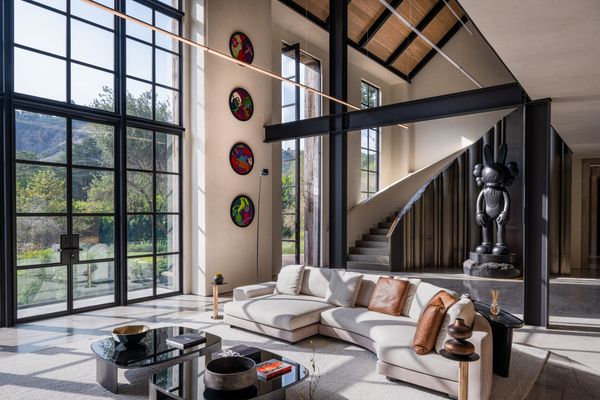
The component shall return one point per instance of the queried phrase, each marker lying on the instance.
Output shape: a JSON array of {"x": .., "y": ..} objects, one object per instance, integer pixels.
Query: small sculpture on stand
[{"x": 493, "y": 206}]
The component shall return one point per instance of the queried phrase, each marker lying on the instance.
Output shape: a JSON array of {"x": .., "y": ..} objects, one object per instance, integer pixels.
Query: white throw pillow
[
  {"x": 343, "y": 288},
  {"x": 289, "y": 280},
  {"x": 463, "y": 308}
]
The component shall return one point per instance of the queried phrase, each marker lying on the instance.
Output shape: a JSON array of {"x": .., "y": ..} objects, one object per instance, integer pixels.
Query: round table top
[{"x": 471, "y": 358}]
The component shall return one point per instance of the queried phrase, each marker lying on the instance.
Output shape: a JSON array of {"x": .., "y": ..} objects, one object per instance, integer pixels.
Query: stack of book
[{"x": 272, "y": 369}]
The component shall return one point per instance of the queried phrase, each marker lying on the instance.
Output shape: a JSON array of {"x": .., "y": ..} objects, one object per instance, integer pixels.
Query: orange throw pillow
[
  {"x": 388, "y": 296},
  {"x": 430, "y": 322}
]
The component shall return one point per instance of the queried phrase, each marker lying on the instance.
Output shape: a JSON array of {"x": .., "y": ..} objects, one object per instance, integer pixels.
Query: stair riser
[
  {"x": 370, "y": 251},
  {"x": 370, "y": 267},
  {"x": 369, "y": 258},
  {"x": 379, "y": 231},
  {"x": 372, "y": 244},
  {"x": 375, "y": 238},
  {"x": 384, "y": 225}
]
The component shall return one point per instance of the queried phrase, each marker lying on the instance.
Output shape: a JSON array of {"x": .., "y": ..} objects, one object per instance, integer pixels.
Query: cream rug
[{"x": 67, "y": 371}]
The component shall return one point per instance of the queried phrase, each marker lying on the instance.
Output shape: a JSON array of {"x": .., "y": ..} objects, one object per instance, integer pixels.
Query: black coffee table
[
  {"x": 502, "y": 334},
  {"x": 152, "y": 351},
  {"x": 185, "y": 381}
]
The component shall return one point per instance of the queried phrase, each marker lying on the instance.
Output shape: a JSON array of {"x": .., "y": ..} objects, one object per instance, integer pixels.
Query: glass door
[{"x": 65, "y": 214}]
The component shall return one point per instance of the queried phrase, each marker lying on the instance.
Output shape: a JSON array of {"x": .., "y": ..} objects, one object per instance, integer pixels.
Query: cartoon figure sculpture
[{"x": 493, "y": 202}]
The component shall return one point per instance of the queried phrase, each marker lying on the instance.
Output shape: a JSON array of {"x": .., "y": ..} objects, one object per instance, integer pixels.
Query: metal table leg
[{"x": 106, "y": 375}]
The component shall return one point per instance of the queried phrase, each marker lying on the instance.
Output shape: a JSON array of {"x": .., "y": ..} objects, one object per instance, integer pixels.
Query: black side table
[{"x": 502, "y": 334}]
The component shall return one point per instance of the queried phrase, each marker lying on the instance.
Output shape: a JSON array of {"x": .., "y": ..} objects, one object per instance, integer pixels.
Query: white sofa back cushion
[
  {"x": 463, "y": 308},
  {"x": 316, "y": 281},
  {"x": 425, "y": 292},
  {"x": 367, "y": 285},
  {"x": 289, "y": 280},
  {"x": 413, "y": 284},
  {"x": 343, "y": 288}
]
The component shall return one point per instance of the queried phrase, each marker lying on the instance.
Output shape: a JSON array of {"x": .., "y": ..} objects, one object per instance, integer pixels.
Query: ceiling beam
[
  {"x": 449, "y": 105},
  {"x": 443, "y": 41},
  {"x": 377, "y": 24},
  {"x": 430, "y": 16}
]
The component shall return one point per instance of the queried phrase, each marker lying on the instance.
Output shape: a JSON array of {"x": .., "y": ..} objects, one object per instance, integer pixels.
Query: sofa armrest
[
  {"x": 251, "y": 291},
  {"x": 481, "y": 371}
]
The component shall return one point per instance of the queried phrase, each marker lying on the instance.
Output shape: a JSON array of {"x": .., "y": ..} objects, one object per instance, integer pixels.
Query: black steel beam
[
  {"x": 449, "y": 105},
  {"x": 445, "y": 39},
  {"x": 536, "y": 224},
  {"x": 377, "y": 24},
  {"x": 338, "y": 141},
  {"x": 435, "y": 10}
]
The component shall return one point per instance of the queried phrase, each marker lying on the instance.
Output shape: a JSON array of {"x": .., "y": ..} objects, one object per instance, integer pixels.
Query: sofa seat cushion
[
  {"x": 361, "y": 321},
  {"x": 281, "y": 311}
]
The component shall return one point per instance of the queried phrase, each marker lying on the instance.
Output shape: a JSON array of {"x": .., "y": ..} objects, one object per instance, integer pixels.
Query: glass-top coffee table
[
  {"x": 185, "y": 381},
  {"x": 152, "y": 351}
]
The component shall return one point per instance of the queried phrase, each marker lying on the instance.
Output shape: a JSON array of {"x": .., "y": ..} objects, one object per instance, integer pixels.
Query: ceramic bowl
[{"x": 130, "y": 335}]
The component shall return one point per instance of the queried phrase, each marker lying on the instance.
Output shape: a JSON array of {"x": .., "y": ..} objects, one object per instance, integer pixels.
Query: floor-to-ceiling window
[
  {"x": 369, "y": 144},
  {"x": 300, "y": 162},
  {"x": 93, "y": 123}
]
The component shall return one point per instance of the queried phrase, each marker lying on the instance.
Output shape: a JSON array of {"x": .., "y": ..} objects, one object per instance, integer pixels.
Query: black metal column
[
  {"x": 338, "y": 87},
  {"x": 537, "y": 187}
]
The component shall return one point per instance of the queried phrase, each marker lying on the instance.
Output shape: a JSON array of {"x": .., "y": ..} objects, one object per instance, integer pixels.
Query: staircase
[{"x": 373, "y": 251}]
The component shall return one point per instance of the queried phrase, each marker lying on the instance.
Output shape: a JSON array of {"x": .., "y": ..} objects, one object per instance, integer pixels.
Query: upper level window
[{"x": 370, "y": 96}]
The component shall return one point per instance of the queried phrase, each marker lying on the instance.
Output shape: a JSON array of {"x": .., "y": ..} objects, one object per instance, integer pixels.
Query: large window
[
  {"x": 93, "y": 108},
  {"x": 369, "y": 144}
]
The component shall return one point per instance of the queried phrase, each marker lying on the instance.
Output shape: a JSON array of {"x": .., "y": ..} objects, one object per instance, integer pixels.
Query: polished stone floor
[{"x": 572, "y": 370}]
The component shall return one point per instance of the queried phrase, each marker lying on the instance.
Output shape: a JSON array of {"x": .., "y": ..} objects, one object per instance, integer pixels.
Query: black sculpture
[{"x": 493, "y": 202}]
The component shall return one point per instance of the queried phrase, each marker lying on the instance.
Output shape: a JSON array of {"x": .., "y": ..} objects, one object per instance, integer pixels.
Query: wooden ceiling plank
[{"x": 379, "y": 22}]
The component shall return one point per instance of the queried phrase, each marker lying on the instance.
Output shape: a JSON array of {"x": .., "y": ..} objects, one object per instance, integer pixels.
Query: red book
[{"x": 272, "y": 368}]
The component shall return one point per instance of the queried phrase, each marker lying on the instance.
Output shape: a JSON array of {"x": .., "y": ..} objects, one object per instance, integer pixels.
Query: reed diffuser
[{"x": 495, "y": 308}]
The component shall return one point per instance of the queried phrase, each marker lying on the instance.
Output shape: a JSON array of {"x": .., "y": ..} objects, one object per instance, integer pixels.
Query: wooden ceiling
[{"x": 374, "y": 31}]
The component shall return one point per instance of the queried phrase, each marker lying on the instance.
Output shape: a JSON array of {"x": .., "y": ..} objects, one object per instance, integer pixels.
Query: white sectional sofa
[{"x": 293, "y": 318}]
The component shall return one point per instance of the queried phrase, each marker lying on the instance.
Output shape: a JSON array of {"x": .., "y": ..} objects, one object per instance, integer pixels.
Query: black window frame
[{"x": 365, "y": 134}]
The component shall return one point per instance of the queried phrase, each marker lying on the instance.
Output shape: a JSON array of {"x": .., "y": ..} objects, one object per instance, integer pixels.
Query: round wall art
[
  {"x": 241, "y": 104},
  {"x": 241, "y": 47},
  {"x": 242, "y": 211},
  {"x": 241, "y": 158}
]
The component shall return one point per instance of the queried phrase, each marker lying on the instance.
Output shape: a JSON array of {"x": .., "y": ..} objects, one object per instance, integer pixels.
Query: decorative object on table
[
  {"x": 130, "y": 335},
  {"x": 215, "y": 286},
  {"x": 240, "y": 350},
  {"x": 458, "y": 345},
  {"x": 242, "y": 211},
  {"x": 272, "y": 369},
  {"x": 241, "y": 158},
  {"x": 187, "y": 340},
  {"x": 230, "y": 373},
  {"x": 494, "y": 307},
  {"x": 218, "y": 279},
  {"x": 263, "y": 172},
  {"x": 241, "y": 47},
  {"x": 241, "y": 104},
  {"x": 493, "y": 206}
]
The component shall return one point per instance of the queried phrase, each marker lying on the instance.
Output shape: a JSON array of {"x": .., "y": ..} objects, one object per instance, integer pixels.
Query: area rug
[{"x": 67, "y": 371}]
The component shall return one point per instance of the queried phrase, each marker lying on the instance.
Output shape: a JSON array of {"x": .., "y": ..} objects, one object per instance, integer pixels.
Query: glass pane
[
  {"x": 57, "y": 4},
  {"x": 139, "y": 235},
  {"x": 288, "y": 95},
  {"x": 41, "y": 189},
  {"x": 170, "y": 25},
  {"x": 288, "y": 227},
  {"x": 167, "y": 69},
  {"x": 373, "y": 161},
  {"x": 93, "y": 284},
  {"x": 92, "y": 45},
  {"x": 363, "y": 196},
  {"x": 91, "y": 13},
  {"x": 167, "y": 105},
  {"x": 288, "y": 65},
  {"x": 167, "y": 273},
  {"x": 373, "y": 136},
  {"x": 142, "y": 13},
  {"x": 93, "y": 144},
  {"x": 364, "y": 181},
  {"x": 96, "y": 237},
  {"x": 288, "y": 114},
  {"x": 139, "y": 60},
  {"x": 38, "y": 239},
  {"x": 364, "y": 95},
  {"x": 93, "y": 191},
  {"x": 172, "y": 3},
  {"x": 288, "y": 253},
  {"x": 373, "y": 182},
  {"x": 167, "y": 193},
  {"x": 41, "y": 29},
  {"x": 288, "y": 200},
  {"x": 41, "y": 291},
  {"x": 139, "y": 149},
  {"x": 167, "y": 152},
  {"x": 373, "y": 97},
  {"x": 139, "y": 192},
  {"x": 40, "y": 137},
  {"x": 364, "y": 159},
  {"x": 139, "y": 277},
  {"x": 91, "y": 87},
  {"x": 139, "y": 99},
  {"x": 364, "y": 138},
  {"x": 167, "y": 233},
  {"x": 39, "y": 75}
]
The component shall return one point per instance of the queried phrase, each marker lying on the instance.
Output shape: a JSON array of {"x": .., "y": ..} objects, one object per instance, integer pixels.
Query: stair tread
[
  {"x": 372, "y": 244},
  {"x": 379, "y": 251},
  {"x": 376, "y": 238},
  {"x": 370, "y": 258}
]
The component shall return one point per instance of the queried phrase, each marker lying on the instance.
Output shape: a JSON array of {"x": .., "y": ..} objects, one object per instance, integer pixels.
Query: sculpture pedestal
[{"x": 492, "y": 266}]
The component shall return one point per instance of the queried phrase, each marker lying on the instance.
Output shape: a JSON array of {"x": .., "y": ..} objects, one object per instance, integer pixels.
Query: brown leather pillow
[
  {"x": 430, "y": 322},
  {"x": 388, "y": 296}
]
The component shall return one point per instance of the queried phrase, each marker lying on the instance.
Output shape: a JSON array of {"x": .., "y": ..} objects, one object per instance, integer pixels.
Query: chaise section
[
  {"x": 361, "y": 321},
  {"x": 251, "y": 291}
]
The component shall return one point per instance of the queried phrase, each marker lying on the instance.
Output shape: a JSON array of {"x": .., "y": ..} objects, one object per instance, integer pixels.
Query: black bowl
[
  {"x": 130, "y": 335},
  {"x": 230, "y": 373}
]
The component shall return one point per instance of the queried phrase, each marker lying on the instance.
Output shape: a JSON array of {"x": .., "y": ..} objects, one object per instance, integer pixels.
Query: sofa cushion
[
  {"x": 425, "y": 292},
  {"x": 289, "y": 279},
  {"x": 413, "y": 284},
  {"x": 250, "y": 291},
  {"x": 315, "y": 281},
  {"x": 367, "y": 285},
  {"x": 279, "y": 310},
  {"x": 430, "y": 322},
  {"x": 463, "y": 308},
  {"x": 343, "y": 288},
  {"x": 388, "y": 296},
  {"x": 361, "y": 321}
]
